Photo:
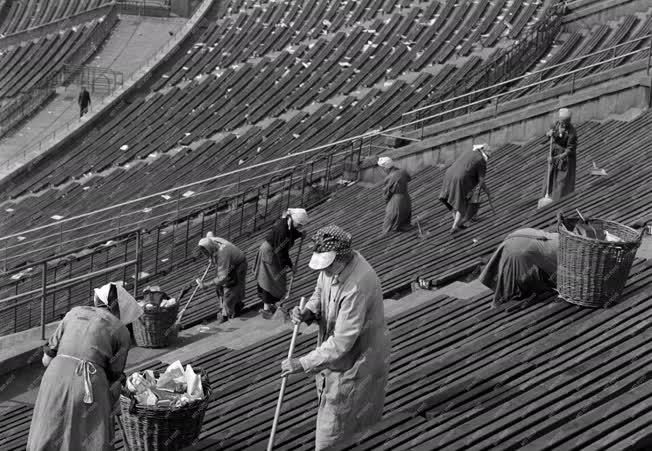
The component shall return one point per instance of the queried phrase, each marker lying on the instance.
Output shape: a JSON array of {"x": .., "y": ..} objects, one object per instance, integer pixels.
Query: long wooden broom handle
[
  {"x": 281, "y": 394},
  {"x": 549, "y": 169},
  {"x": 193, "y": 294}
]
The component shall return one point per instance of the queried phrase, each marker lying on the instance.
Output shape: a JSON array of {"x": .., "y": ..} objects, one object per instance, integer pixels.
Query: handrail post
[
  {"x": 137, "y": 263},
  {"x": 44, "y": 279},
  {"x": 573, "y": 84},
  {"x": 649, "y": 56}
]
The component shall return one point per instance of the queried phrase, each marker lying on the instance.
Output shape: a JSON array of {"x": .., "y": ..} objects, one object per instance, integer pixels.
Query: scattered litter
[
  {"x": 124, "y": 147},
  {"x": 188, "y": 193},
  {"x": 166, "y": 196},
  {"x": 57, "y": 217}
]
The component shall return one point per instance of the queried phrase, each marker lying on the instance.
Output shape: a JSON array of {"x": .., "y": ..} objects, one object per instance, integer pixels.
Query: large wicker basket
[
  {"x": 147, "y": 428},
  {"x": 154, "y": 328},
  {"x": 590, "y": 272}
]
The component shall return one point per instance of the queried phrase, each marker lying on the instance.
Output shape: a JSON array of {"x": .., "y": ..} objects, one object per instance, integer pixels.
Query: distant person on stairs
[
  {"x": 398, "y": 209},
  {"x": 231, "y": 265},
  {"x": 351, "y": 360},
  {"x": 564, "y": 146},
  {"x": 273, "y": 259},
  {"x": 524, "y": 264},
  {"x": 84, "y": 101},
  {"x": 466, "y": 174}
]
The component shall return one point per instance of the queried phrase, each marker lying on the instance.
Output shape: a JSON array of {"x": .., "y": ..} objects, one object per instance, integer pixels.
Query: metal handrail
[
  {"x": 521, "y": 88},
  {"x": 540, "y": 71}
]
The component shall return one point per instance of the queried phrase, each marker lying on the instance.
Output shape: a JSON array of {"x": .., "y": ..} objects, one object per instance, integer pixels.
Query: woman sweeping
[
  {"x": 85, "y": 360},
  {"x": 274, "y": 258},
  {"x": 398, "y": 209}
]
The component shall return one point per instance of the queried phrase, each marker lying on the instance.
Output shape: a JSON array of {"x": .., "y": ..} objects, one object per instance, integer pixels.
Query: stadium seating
[
  {"x": 461, "y": 375},
  {"x": 22, "y": 15},
  {"x": 620, "y": 197}
]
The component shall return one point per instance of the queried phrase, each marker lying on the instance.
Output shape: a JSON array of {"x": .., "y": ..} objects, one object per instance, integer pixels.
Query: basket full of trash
[
  {"x": 154, "y": 329},
  {"x": 164, "y": 411},
  {"x": 594, "y": 260}
]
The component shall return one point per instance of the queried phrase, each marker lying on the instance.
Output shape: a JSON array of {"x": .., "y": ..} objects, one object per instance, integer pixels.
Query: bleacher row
[
  {"x": 181, "y": 116},
  {"x": 407, "y": 40},
  {"x": 329, "y": 123},
  {"x": 23, "y": 67},
  {"x": 617, "y": 146},
  {"x": 461, "y": 376},
  {"x": 18, "y": 15}
]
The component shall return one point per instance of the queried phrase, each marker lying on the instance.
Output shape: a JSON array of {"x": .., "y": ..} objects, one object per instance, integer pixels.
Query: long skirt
[
  {"x": 268, "y": 271},
  {"x": 232, "y": 297},
  {"x": 61, "y": 419},
  {"x": 398, "y": 214}
]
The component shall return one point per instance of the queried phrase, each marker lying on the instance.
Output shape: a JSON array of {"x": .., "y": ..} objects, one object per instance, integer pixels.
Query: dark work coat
[
  {"x": 525, "y": 263},
  {"x": 274, "y": 256},
  {"x": 398, "y": 209},
  {"x": 84, "y": 99},
  {"x": 460, "y": 180},
  {"x": 563, "y": 173}
]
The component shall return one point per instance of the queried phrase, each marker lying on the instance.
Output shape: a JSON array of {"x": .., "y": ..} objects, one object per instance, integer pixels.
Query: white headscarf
[
  {"x": 130, "y": 311},
  {"x": 482, "y": 148},
  {"x": 299, "y": 216},
  {"x": 385, "y": 162},
  {"x": 564, "y": 113}
]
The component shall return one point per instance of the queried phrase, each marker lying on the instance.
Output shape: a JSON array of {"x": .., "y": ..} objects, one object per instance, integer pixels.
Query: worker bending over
[
  {"x": 231, "y": 266},
  {"x": 524, "y": 264},
  {"x": 461, "y": 178},
  {"x": 351, "y": 360},
  {"x": 563, "y": 162},
  {"x": 85, "y": 360},
  {"x": 274, "y": 257},
  {"x": 398, "y": 209}
]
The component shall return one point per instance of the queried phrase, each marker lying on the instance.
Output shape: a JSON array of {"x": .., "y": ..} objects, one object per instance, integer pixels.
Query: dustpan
[{"x": 595, "y": 170}]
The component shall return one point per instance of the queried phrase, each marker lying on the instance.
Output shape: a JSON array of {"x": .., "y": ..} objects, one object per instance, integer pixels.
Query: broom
[
  {"x": 281, "y": 394},
  {"x": 547, "y": 200},
  {"x": 281, "y": 314},
  {"x": 177, "y": 324}
]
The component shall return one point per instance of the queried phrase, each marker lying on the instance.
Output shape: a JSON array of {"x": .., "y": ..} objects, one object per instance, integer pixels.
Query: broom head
[{"x": 544, "y": 202}]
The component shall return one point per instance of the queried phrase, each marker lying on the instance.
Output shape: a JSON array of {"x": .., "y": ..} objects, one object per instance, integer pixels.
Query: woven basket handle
[{"x": 560, "y": 221}]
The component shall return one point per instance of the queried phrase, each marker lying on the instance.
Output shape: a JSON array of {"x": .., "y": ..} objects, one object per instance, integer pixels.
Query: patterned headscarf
[
  {"x": 333, "y": 239},
  {"x": 385, "y": 162}
]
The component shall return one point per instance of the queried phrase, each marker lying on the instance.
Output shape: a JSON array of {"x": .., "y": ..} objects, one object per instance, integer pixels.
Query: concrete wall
[{"x": 445, "y": 141}]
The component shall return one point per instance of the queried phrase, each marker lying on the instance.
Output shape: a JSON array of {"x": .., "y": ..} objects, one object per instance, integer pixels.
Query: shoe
[
  {"x": 266, "y": 314},
  {"x": 223, "y": 319}
]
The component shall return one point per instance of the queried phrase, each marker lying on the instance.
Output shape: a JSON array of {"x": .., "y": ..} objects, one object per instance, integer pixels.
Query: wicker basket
[
  {"x": 147, "y": 428},
  {"x": 154, "y": 328},
  {"x": 590, "y": 272}
]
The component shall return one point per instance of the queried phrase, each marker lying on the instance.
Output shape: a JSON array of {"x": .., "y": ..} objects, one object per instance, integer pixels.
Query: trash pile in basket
[
  {"x": 155, "y": 298},
  {"x": 174, "y": 388}
]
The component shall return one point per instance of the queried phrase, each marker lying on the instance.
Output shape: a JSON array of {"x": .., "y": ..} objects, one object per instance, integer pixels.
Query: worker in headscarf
[
  {"x": 351, "y": 360},
  {"x": 524, "y": 264},
  {"x": 563, "y": 160},
  {"x": 231, "y": 267},
  {"x": 84, "y": 359},
  {"x": 461, "y": 178},
  {"x": 273, "y": 259},
  {"x": 398, "y": 205}
]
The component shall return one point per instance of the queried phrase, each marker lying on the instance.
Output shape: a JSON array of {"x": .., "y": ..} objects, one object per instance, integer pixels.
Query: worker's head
[
  {"x": 108, "y": 299},
  {"x": 207, "y": 246},
  {"x": 83, "y": 88},
  {"x": 297, "y": 217},
  {"x": 332, "y": 249},
  {"x": 564, "y": 115},
  {"x": 484, "y": 147},
  {"x": 385, "y": 163}
]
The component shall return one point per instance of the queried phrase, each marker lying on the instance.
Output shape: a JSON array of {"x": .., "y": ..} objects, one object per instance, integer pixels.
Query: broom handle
[
  {"x": 281, "y": 394},
  {"x": 294, "y": 272},
  {"x": 193, "y": 294},
  {"x": 549, "y": 170}
]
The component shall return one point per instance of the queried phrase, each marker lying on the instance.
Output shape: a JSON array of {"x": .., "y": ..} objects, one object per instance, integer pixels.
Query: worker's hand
[
  {"x": 291, "y": 366},
  {"x": 551, "y": 160},
  {"x": 297, "y": 316},
  {"x": 200, "y": 284},
  {"x": 549, "y": 133}
]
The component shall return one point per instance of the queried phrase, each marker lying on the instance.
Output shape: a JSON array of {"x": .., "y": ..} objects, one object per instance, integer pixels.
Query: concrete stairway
[{"x": 133, "y": 41}]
